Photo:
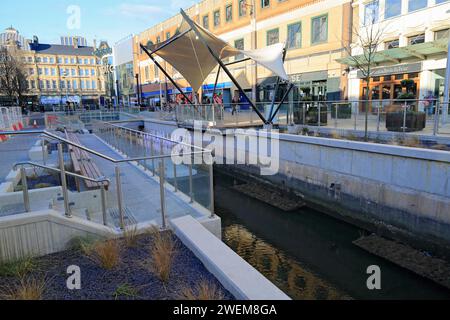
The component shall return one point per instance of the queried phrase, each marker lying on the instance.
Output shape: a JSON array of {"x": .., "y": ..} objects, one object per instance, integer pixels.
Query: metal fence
[{"x": 428, "y": 116}]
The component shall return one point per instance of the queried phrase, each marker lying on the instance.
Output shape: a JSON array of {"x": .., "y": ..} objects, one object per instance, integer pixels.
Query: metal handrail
[
  {"x": 96, "y": 153},
  {"x": 99, "y": 180}
]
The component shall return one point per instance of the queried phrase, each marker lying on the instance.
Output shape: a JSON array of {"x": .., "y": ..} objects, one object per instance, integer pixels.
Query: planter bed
[{"x": 131, "y": 275}]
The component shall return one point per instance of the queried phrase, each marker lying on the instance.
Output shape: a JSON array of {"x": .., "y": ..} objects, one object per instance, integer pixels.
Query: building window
[
  {"x": 81, "y": 72},
  {"x": 82, "y": 84},
  {"x": 52, "y": 60},
  {"x": 40, "y": 71},
  {"x": 86, "y": 61},
  {"x": 242, "y": 8},
  {"x": 53, "y": 72},
  {"x": 319, "y": 29},
  {"x": 66, "y": 60},
  {"x": 273, "y": 36},
  {"x": 393, "y": 8},
  {"x": 294, "y": 36},
  {"x": 371, "y": 13},
  {"x": 414, "y": 5},
  {"x": 33, "y": 84},
  {"x": 442, "y": 34},
  {"x": 229, "y": 13},
  {"x": 75, "y": 84},
  {"x": 92, "y": 72},
  {"x": 392, "y": 44},
  {"x": 30, "y": 59},
  {"x": 46, "y": 71},
  {"x": 45, "y": 60},
  {"x": 420, "y": 38},
  {"x": 265, "y": 3},
  {"x": 31, "y": 71},
  {"x": 41, "y": 84},
  {"x": 239, "y": 44},
  {"x": 60, "y": 60},
  {"x": 167, "y": 35},
  {"x": 88, "y": 85},
  {"x": 72, "y": 60},
  {"x": 216, "y": 18},
  {"x": 93, "y": 61},
  {"x": 54, "y": 84},
  {"x": 47, "y": 82},
  {"x": 206, "y": 22}
]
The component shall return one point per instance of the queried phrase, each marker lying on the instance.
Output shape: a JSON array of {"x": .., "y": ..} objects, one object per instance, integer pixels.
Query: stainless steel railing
[{"x": 110, "y": 128}]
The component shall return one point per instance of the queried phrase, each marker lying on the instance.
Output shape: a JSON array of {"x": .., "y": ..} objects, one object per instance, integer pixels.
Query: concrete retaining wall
[
  {"x": 44, "y": 232},
  {"x": 233, "y": 272}
]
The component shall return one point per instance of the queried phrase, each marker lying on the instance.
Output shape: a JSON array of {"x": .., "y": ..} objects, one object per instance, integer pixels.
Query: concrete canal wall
[{"x": 383, "y": 186}]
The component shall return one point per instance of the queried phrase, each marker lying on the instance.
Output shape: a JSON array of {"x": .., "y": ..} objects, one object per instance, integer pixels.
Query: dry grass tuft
[
  {"x": 106, "y": 254},
  {"x": 203, "y": 291},
  {"x": 335, "y": 135},
  {"x": 130, "y": 237},
  {"x": 162, "y": 255},
  {"x": 412, "y": 142},
  {"x": 28, "y": 289}
]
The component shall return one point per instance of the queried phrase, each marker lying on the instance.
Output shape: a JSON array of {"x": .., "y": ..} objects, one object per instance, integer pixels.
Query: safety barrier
[{"x": 10, "y": 120}]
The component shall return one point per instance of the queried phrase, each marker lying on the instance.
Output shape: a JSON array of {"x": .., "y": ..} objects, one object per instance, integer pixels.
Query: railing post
[
  {"x": 103, "y": 199},
  {"x": 191, "y": 188},
  {"x": 119, "y": 197},
  {"x": 318, "y": 116},
  {"x": 43, "y": 151},
  {"x": 404, "y": 117},
  {"x": 175, "y": 180},
  {"x": 152, "y": 152},
  {"x": 211, "y": 189},
  {"x": 336, "y": 105},
  {"x": 26, "y": 196},
  {"x": 378, "y": 117},
  {"x": 144, "y": 145},
  {"x": 436, "y": 119},
  {"x": 64, "y": 181},
  {"x": 162, "y": 192}
]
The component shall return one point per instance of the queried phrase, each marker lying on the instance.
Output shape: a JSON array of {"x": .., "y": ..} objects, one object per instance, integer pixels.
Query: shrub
[
  {"x": 125, "y": 290},
  {"x": 43, "y": 185},
  {"x": 130, "y": 236},
  {"x": 203, "y": 291},
  {"x": 18, "y": 268},
  {"x": 106, "y": 254},
  {"x": 27, "y": 289},
  {"x": 162, "y": 255}
]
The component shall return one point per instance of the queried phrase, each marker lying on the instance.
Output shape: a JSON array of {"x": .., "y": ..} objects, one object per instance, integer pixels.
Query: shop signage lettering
[{"x": 405, "y": 68}]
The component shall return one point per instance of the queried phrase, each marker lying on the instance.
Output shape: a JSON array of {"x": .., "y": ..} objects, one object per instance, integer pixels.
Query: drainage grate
[{"x": 128, "y": 217}]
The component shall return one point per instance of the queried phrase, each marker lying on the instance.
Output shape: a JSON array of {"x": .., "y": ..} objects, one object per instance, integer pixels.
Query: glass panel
[
  {"x": 420, "y": 38},
  {"x": 371, "y": 12},
  {"x": 273, "y": 37},
  {"x": 386, "y": 92},
  {"x": 442, "y": 34},
  {"x": 320, "y": 29},
  {"x": 416, "y": 4},
  {"x": 393, "y": 8},
  {"x": 294, "y": 36},
  {"x": 392, "y": 44}
]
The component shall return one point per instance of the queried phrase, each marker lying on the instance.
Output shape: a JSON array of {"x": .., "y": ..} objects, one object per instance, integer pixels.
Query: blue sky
[{"x": 109, "y": 20}]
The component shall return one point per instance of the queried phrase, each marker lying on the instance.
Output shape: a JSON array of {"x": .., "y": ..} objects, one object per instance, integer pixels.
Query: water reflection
[{"x": 284, "y": 272}]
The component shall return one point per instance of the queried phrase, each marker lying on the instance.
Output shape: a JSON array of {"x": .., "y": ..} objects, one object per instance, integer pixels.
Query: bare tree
[
  {"x": 368, "y": 38},
  {"x": 13, "y": 79}
]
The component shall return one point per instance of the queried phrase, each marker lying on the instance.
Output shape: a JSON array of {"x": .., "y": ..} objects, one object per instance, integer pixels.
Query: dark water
[{"x": 310, "y": 255}]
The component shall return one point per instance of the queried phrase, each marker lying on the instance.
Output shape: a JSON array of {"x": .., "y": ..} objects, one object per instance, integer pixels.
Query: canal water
[{"x": 308, "y": 254}]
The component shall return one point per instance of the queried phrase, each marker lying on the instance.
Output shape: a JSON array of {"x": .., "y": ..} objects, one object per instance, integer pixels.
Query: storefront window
[
  {"x": 393, "y": 8},
  {"x": 217, "y": 18},
  {"x": 414, "y": 5},
  {"x": 229, "y": 13},
  {"x": 239, "y": 44},
  {"x": 242, "y": 8},
  {"x": 386, "y": 92},
  {"x": 206, "y": 22}
]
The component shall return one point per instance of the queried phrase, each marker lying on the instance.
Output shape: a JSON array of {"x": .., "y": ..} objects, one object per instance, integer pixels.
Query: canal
[{"x": 308, "y": 254}]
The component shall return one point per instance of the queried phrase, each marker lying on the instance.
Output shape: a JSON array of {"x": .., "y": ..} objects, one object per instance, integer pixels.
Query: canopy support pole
[
  {"x": 277, "y": 87},
  {"x": 215, "y": 83},
  {"x": 166, "y": 74},
  {"x": 281, "y": 102},
  {"x": 222, "y": 65}
]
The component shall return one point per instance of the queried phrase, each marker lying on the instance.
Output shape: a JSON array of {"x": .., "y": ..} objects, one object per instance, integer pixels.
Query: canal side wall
[
  {"x": 404, "y": 191},
  {"x": 398, "y": 187}
]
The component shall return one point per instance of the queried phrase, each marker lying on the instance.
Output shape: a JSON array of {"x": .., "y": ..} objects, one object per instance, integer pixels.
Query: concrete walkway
[{"x": 141, "y": 193}]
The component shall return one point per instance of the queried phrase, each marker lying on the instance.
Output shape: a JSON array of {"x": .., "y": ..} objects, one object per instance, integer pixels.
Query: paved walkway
[{"x": 141, "y": 194}]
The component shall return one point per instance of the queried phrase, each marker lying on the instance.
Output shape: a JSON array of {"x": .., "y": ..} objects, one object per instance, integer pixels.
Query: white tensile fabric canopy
[{"x": 191, "y": 57}]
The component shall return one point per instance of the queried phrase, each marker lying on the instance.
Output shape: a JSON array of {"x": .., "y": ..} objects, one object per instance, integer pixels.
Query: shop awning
[
  {"x": 194, "y": 60},
  {"x": 419, "y": 51}
]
